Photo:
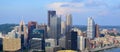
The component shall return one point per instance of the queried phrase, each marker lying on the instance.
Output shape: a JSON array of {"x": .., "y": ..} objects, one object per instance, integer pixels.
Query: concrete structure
[
  {"x": 23, "y": 30},
  {"x": 0, "y": 35},
  {"x": 36, "y": 44},
  {"x": 72, "y": 41},
  {"x": 1, "y": 44},
  {"x": 97, "y": 32},
  {"x": 55, "y": 28},
  {"x": 43, "y": 27},
  {"x": 31, "y": 27},
  {"x": 62, "y": 42},
  {"x": 68, "y": 20},
  {"x": 78, "y": 31},
  {"x": 91, "y": 28},
  {"x": 53, "y": 49},
  {"x": 68, "y": 28},
  {"x": 51, "y": 13},
  {"x": 13, "y": 34},
  {"x": 11, "y": 44},
  {"x": 23, "y": 33},
  {"x": 50, "y": 42},
  {"x": 81, "y": 43},
  {"x": 63, "y": 27},
  {"x": 38, "y": 40}
]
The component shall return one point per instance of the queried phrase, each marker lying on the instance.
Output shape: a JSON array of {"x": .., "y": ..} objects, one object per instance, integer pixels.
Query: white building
[
  {"x": 81, "y": 42},
  {"x": 91, "y": 28},
  {"x": 0, "y": 35},
  {"x": 50, "y": 42},
  {"x": 63, "y": 27},
  {"x": 62, "y": 42}
]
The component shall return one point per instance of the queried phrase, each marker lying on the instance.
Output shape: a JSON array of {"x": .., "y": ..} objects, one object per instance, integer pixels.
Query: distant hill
[
  {"x": 84, "y": 27},
  {"x": 5, "y": 28}
]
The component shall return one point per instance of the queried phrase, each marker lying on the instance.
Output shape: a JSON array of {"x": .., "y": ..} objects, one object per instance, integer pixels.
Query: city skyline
[{"x": 36, "y": 10}]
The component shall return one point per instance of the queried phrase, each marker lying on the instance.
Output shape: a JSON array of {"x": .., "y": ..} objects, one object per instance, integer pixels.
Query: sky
[{"x": 104, "y": 12}]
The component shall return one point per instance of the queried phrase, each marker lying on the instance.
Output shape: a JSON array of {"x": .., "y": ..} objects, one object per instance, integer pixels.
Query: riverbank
[
  {"x": 104, "y": 48},
  {"x": 111, "y": 50}
]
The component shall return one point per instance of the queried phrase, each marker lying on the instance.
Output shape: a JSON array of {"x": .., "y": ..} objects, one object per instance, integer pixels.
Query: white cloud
[{"x": 63, "y": 8}]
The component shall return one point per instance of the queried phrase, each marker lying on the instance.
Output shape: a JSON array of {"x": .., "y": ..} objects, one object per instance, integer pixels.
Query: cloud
[
  {"x": 100, "y": 7},
  {"x": 67, "y": 7},
  {"x": 82, "y": 6}
]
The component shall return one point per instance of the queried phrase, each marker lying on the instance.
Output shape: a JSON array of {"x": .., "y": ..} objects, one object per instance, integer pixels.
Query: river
[{"x": 111, "y": 50}]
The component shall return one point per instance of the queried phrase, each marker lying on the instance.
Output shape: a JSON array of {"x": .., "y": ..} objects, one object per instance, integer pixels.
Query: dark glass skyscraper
[
  {"x": 43, "y": 27},
  {"x": 22, "y": 42},
  {"x": 72, "y": 41},
  {"x": 31, "y": 27},
  {"x": 38, "y": 40},
  {"x": 51, "y": 13}
]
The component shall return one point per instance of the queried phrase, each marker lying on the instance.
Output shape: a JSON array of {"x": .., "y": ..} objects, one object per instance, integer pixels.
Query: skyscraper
[
  {"x": 23, "y": 34},
  {"x": 69, "y": 20},
  {"x": 72, "y": 41},
  {"x": 96, "y": 30},
  {"x": 91, "y": 28},
  {"x": 43, "y": 27},
  {"x": 51, "y": 13},
  {"x": 63, "y": 27},
  {"x": 38, "y": 40},
  {"x": 31, "y": 27},
  {"x": 68, "y": 27},
  {"x": 55, "y": 28},
  {"x": 81, "y": 42}
]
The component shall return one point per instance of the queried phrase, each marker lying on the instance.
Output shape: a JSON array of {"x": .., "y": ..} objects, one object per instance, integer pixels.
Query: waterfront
[{"x": 111, "y": 50}]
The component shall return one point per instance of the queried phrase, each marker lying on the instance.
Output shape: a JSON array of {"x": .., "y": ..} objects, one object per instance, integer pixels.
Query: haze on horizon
[{"x": 104, "y": 12}]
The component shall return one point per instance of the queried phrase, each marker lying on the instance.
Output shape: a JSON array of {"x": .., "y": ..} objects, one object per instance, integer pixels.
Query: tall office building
[
  {"x": 23, "y": 29},
  {"x": 51, "y": 13},
  {"x": 63, "y": 27},
  {"x": 67, "y": 30},
  {"x": 31, "y": 27},
  {"x": 55, "y": 28},
  {"x": 1, "y": 43},
  {"x": 38, "y": 40},
  {"x": 23, "y": 34},
  {"x": 91, "y": 28},
  {"x": 68, "y": 21},
  {"x": 81, "y": 42},
  {"x": 43, "y": 27},
  {"x": 96, "y": 30},
  {"x": 72, "y": 41}
]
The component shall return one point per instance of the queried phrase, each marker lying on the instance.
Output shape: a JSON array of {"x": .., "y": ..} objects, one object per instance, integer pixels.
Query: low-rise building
[{"x": 11, "y": 44}]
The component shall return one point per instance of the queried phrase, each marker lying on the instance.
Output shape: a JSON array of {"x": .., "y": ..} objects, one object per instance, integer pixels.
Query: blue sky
[{"x": 104, "y": 12}]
